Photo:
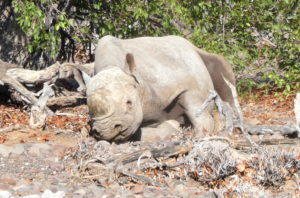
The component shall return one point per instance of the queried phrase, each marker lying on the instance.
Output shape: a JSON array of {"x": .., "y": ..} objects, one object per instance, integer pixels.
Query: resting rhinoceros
[{"x": 151, "y": 79}]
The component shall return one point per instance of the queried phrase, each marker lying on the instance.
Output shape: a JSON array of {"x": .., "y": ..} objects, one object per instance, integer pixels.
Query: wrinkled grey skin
[{"x": 147, "y": 80}]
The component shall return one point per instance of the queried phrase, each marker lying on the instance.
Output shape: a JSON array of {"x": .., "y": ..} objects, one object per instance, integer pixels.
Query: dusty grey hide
[{"x": 151, "y": 79}]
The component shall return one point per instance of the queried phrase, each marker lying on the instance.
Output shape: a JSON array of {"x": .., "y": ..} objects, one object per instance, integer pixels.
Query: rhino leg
[
  {"x": 192, "y": 102},
  {"x": 164, "y": 131}
]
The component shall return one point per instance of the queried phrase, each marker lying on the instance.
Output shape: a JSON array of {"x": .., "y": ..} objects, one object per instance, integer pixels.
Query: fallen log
[
  {"x": 17, "y": 78},
  {"x": 31, "y": 78},
  {"x": 244, "y": 145},
  {"x": 166, "y": 152},
  {"x": 14, "y": 128},
  {"x": 66, "y": 100},
  {"x": 289, "y": 129},
  {"x": 29, "y": 97}
]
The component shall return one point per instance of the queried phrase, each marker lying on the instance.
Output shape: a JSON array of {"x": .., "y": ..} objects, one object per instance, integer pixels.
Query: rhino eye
[{"x": 129, "y": 103}]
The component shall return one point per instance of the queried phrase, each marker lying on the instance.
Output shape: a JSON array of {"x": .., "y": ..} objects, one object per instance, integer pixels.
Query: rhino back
[{"x": 162, "y": 62}]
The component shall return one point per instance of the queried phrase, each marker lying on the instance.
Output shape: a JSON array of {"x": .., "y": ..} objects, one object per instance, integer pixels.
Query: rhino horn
[{"x": 99, "y": 106}]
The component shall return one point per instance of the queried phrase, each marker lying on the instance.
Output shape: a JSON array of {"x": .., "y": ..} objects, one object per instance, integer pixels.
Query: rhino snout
[{"x": 107, "y": 133}]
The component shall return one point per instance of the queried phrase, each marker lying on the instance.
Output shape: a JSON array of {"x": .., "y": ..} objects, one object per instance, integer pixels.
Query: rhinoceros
[{"x": 148, "y": 80}]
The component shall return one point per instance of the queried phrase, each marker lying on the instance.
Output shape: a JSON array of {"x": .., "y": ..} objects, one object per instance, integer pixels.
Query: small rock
[
  {"x": 138, "y": 189},
  {"x": 80, "y": 192},
  {"x": 290, "y": 185},
  {"x": 5, "y": 194},
  {"x": 32, "y": 196},
  {"x": 96, "y": 190},
  {"x": 4, "y": 187},
  {"x": 182, "y": 190},
  {"x": 50, "y": 194},
  {"x": 15, "y": 149},
  {"x": 59, "y": 150},
  {"x": 8, "y": 181},
  {"x": 39, "y": 148},
  {"x": 56, "y": 166},
  {"x": 208, "y": 194},
  {"x": 24, "y": 189}
]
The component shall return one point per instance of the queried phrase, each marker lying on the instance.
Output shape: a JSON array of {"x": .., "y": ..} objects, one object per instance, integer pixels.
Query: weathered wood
[
  {"x": 210, "y": 98},
  {"x": 29, "y": 97},
  {"x": 50, "y": 74},
  {"x": 242, "y": 145},
  {"x": 4, "y": 66},
  {"x": 15, "y": 77},
  {"x": 141, "y": 178},
  {"x": 289, "y": 129},
  {"x": 31, "y": 77},
  {"x": 66, "y": 100},
  {"x": 239, "y": 114},
  {"x": 226, "y": 115},
  {"x": 166, "y": 152},
  {"x": 13, "y": 128},
  {"x": 78, "y": 72},
  {"x": 38, "y": 115}
]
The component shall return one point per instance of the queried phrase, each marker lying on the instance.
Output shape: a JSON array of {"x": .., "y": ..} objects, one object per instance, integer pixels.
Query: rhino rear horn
[{"x": 131, "y": 63}]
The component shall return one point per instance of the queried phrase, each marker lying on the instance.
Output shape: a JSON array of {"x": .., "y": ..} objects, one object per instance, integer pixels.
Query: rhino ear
[{"x": 131, "y": 63}]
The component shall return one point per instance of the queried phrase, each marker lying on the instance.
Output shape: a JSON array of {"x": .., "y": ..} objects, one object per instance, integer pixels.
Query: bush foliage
[{"x": 259, "y": 35}]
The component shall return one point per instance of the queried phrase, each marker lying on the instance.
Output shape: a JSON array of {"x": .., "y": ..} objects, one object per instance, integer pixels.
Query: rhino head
[{"x": 114, "y": 103}]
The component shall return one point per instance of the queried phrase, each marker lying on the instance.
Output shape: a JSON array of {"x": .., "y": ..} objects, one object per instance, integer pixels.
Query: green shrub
[{"x": 250, "y": 34}]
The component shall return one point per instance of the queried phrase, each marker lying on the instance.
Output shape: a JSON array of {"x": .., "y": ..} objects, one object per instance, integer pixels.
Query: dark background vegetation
[{"x": 261, "y": 38}]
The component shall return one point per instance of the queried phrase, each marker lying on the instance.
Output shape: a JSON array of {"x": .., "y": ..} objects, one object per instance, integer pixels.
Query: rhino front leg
[
  {"x": 192, "y": 102},
  {"x": 163, "y": 131}
]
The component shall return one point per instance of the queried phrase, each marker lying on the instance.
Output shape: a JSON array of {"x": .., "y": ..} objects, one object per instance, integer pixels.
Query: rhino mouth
[{"x": 117, "y": 134}]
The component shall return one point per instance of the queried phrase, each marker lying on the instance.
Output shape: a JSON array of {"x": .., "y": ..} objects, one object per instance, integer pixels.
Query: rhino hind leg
[{"x": 192, "y": 102}]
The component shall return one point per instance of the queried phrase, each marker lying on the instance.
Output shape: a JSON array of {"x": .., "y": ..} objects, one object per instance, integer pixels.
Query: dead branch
[
  {"x": 169, "y": 151},
  {"x": 166, "y": 152},
  {"x": 289, "y": 129},
  {"x": 13, "y": 128},
  {"x": 142, "y": 178},
  {"x": 226, "y": 115},
  {"x": 210, "y": 98},
  {"x": 240, "y": 118},
  {"x": 31, "y": 77},
  {"x": 29, "y": 97},
  {"x": 51, "y": 74},
  {"x": 78, "y": 72},
  {"x": 66, "y": 100},
  {"x": 242, "y": 145},
  {"x": 16, "y": 77},
  {"x": 4, "y": 66},
  {"x": 38, "y": 115}
]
